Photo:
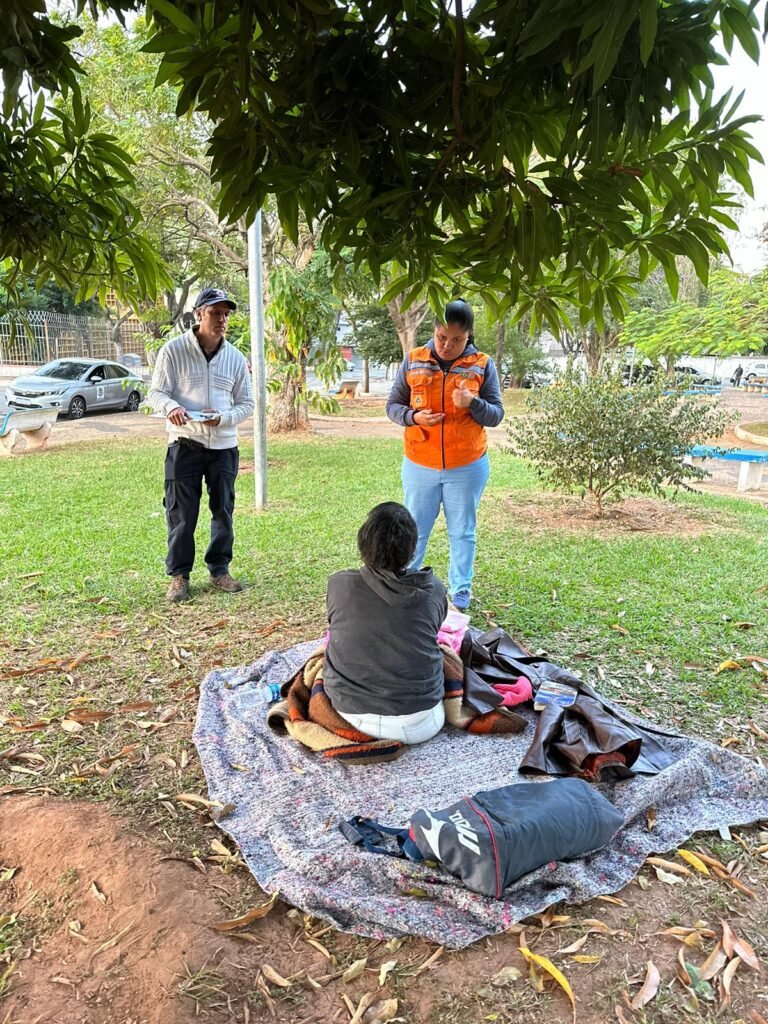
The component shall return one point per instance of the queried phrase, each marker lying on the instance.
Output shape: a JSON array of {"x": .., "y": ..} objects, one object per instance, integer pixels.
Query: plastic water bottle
[{"x": 269, "y": 692}]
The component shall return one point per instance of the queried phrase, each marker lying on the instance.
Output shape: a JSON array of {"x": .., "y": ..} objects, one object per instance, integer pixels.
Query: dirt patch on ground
[
  {"x": 547, "y": 511},
  {"x": 109, "y": 931},
  {"x": 113, "y": 926}
]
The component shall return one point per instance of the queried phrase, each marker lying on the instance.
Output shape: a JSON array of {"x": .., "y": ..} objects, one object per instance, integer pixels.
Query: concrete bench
[
  {"x": 347, "y": 389},
  {"x": 25, "y": 429},
  {"x": 751, "y": 463}
]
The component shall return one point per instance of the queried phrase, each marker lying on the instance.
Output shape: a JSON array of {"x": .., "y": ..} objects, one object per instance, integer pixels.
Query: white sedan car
[{"x": 77, "y": 386}]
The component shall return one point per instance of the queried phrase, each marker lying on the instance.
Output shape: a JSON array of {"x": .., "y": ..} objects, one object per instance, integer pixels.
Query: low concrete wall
[{"x": 743, "y": 434}]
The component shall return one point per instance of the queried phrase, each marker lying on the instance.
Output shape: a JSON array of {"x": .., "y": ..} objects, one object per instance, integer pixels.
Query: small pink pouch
[{"x": 452, "y": 631}]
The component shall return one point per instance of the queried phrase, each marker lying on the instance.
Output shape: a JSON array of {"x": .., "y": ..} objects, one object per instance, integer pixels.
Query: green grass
[
  {"x": 90, "y": 520},
  {"x": 514, "y": 399}
]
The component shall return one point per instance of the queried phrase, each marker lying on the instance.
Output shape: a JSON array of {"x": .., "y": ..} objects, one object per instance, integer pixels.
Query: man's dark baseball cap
[{"x": 210, "y": 296}]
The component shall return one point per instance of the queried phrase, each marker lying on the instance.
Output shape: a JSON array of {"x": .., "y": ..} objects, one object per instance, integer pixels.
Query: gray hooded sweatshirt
[{"x": 382, "y": 656}]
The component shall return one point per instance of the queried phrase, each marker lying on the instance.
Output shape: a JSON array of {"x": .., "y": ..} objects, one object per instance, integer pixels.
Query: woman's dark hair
[
  {"x": 459, "y": 312},
  {"x": 387, "y": 538}
]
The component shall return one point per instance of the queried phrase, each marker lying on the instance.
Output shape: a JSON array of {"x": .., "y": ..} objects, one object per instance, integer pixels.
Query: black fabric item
[
  {"x": 382, "y": 657},
  {"x": 566, "y": 737},
  {"x": 187, "y": 464}
]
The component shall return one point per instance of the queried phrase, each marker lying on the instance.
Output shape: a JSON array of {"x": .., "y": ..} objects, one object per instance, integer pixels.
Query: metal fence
[{"x": 39, "y": 336}]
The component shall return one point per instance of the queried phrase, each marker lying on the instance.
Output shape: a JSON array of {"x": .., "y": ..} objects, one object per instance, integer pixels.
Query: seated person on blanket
[{"x": 383, "y": 669}]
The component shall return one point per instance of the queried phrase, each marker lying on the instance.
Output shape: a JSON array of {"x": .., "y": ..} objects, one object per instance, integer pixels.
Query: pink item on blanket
[
  {"x": 452, "y": 631},
  {"x": 514, "y": 693}
]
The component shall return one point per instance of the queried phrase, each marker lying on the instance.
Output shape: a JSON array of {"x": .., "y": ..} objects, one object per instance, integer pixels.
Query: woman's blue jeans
[{"x": 459, "y": 492}]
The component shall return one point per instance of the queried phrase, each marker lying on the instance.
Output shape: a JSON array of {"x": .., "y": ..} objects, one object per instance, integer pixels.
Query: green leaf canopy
[{"x": 502, "y": 145}]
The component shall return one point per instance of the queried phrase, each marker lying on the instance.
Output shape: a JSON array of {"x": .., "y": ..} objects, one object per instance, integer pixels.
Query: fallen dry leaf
[
  {"x": 86, "y": 717},
  {"x": 620, "y": 629},
  {"x": 694, "y": 861},
  {"x": 112, "y": 942},
  {"x": 196, "y": 801},
  {"x": 273, "y": 977},
  {"x": 669, "y": 865},
  {"x": 136, "y": 705},
  {"x": 506, "y": 976},
  {"x": 713, "y": 862},
  {"x": 726, "y": 979},
  {"x": 727, "y": 666},
  {"x": 574, "y": 946},
  {"x": 582, "y": 958},
  {"x": 667, "y": 877},
  {"x": 255, "y": 914},
  {"x": 380, "y": 1012},
  {"x": 385, "y": 970},
  {"x": 734, "y": 945},
  {"x": 649, "y": 987},
  {"x": 650, "y": 819},
  {"x": 354, "y": 970},
  {"x": 617, "y": 900},
  {"x": 425, "y": 966},
  {"x": 362, "y": 1006},
  {"x": 97, "y": 893},
  {"x": 682, "y": 969},
  {"x": 546, "y": 965}
]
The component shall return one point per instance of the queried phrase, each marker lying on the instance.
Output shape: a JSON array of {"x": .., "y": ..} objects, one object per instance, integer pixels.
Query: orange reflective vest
[{"x": 458, "y": 439}]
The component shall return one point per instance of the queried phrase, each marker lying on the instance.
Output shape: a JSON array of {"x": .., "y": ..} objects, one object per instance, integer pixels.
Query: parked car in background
[
  {"x": 639, "y": 373},
  {"x": 690, "y": 375},
  {"x": 759, "y": 370},
  {"x": 531, "y": 379},
  {"x": 77, "y": 386}
]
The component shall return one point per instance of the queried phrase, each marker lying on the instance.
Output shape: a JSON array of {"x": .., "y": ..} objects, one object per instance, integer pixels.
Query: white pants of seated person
[{"x": 416, "y": 728}]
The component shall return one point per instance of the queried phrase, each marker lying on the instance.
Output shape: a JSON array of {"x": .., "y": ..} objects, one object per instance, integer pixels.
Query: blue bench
[
  {"x": 696, "y": 389},
  {"x": 751, "y": 462}
]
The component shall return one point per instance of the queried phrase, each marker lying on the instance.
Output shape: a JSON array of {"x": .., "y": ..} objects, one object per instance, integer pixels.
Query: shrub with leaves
[{"x": 599, "y": 437}]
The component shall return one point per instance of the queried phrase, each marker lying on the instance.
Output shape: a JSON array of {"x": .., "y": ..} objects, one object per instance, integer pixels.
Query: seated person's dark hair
[{"x": 387, "y": 538}]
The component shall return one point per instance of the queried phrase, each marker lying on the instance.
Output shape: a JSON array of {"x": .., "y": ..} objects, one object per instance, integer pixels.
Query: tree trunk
[
  {"x": 501, "y": 333},
  {"x": 408, "y": 322},
  {"x": 287, "y": 408},
  {"x": 596, "y": 345},
  {"x": 366, "y": 377},
  {"x": 593, "y": 350}
]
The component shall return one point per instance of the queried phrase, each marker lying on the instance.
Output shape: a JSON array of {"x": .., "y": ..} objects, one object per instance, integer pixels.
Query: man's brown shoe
[
  {"x": 178, "y": 589},
  {"x": 226, "y": 583}
]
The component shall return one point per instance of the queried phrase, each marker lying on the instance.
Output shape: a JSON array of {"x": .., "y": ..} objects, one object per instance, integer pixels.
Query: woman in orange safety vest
[{"x": 445, "y": 394}]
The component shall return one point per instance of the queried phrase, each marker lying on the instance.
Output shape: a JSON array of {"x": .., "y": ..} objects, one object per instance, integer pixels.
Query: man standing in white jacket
[{"x": 202, "y": 385}]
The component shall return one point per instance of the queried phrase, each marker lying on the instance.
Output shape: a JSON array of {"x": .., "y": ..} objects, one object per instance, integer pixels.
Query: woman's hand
[
  {"x": 427, "y": 418},
  {"x": 462, "y": 396}
]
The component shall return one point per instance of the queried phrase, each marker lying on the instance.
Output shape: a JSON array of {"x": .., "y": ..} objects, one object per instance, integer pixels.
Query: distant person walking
[
  {"x": 738, "y": 373},
  {"x": 445, "y": 394},
  {"x": 202, "y": 385}
]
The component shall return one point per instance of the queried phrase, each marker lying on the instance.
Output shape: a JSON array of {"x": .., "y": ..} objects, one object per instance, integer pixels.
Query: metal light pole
[{"x": 258, "y": 368}]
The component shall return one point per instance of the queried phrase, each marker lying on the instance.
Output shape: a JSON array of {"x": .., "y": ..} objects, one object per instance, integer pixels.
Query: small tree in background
[
  {"x": 512, "y": 346},
  {"x": 373, "y": 333},
  {"x": 598, "y": 437}
]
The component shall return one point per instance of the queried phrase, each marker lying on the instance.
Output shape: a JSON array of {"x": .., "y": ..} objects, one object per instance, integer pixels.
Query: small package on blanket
[{"x": 498, "y": 835}]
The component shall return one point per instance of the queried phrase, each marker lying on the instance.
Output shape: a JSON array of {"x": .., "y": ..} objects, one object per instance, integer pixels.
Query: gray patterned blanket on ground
[{"x": 288, "y": 803}]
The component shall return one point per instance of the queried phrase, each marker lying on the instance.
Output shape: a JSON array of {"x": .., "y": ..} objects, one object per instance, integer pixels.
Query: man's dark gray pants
[{"x": 186, "y": 466}]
